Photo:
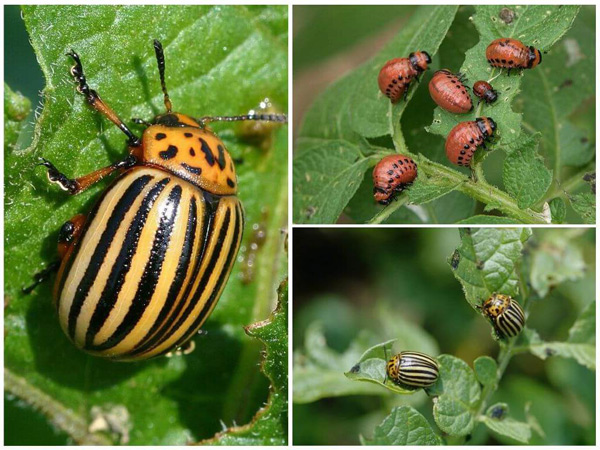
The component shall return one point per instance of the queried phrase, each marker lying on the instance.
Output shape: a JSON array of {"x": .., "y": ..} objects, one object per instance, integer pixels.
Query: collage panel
[
  {"x": 445, "y": 114},
  {"x": 162, "y": 318},
  {"x": 444, "y": 336}
]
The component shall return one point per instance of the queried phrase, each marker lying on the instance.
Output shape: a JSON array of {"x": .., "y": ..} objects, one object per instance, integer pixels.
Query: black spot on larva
[
  {"x": 192, "y": 152},
  {"x": 169, "y": 153},
  {"x": 400, "y": 162},
  {"x": 390, "y": 172},
  {"x": 395, "y": 165},
  {"x": 210, "y": 159},
  {"x": 466, "y": 146},
  {"x": 192, "y": 169},
  {"x": 230, "y": 183},
  {"x": 503, "y": 61},
  {"x": 510, "y": 61},
  {"x": 471, "y": 140},
  {"x": 400, "y": 77},
  {"x": 394, "y": 81},
  {"x": 188, "y": 134},
  {"x": 453, "y": 81},
  {"x": 462, "y": 152},
  {"x": 160, "y": 136}
]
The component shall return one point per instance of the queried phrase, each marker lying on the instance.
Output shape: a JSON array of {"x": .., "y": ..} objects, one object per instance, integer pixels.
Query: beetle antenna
[
  {"x": 260, "y": 117},
  {"x": 160, "y": 59}
]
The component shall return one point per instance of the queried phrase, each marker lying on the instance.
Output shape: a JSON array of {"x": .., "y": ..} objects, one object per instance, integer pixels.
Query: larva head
[
  {"x": 486, "y": 125},
  {"x": 419, "y": 60},
  {"x": 535, "y": 57}
]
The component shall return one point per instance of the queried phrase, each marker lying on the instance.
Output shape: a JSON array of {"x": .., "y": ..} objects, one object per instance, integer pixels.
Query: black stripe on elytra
[
  {"x": 210, "y": 159},
  {"x": 122, "y": 263},
  {"x": 230, "y": 182},
  {"x": 169, "y": 153},
  {"x": 223, "y": 276},
  {"x": 180, "y": 272},
  {"x": 209, "y": 271},
  {"x": 152, "y": 271},
  {"x": 97, "y": 259},
  {"x": 192, "y": 169},
  {"x": 160, "y": 136},
  {"x": 221, "y": 158},
  {"x": 161, "y": 335}
]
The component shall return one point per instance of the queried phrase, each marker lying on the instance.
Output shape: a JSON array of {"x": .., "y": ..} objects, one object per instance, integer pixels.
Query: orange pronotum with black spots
[{"x": 142, "y": 272}]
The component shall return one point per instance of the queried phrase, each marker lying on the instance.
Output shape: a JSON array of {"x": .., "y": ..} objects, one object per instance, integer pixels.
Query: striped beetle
[
  {"x": 505, "y": 315},
  {"x": 141, "y": 273},
  {"x": 412, "y": 369}
]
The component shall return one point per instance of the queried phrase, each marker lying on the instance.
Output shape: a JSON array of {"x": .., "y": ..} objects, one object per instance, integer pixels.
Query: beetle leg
[
  {"x": 41, "y": 276},
  {"x": 94, "y": 99},
  {"x": 69, "y": 234},
  {"x": 77, "y": 185}
]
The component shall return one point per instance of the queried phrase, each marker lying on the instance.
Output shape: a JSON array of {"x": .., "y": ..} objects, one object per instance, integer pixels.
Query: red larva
[
  {"x": 391, "y": 176},
  {"x": 466, "y": 137},
  {"x": 485, "y": 92},
  {"x": 510, "y": 54},
  {"x": 448, "y": 91},
  {"x": 397, "y": 74}
]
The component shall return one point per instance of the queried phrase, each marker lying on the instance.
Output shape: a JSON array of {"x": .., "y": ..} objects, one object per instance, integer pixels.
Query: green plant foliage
[
  {"x": 532, "y": 180},
  {"x": 16, "y": 110},
  {"x": 319, "y": 370},
  {"x": 581, "y": 344},
  {"x": 487, "y": 260},
  {"x": 269, "y": 425},
  {"x": 485, "y": 370},
  {"x": 404, "y": 426},
  {"x": 170, "y": 401},
  {"x": 555, "y": 260},
  {"x": 506, "y": 426},
  {"x": 458, "y": 394},
  {"x": 488, "y": 257},
  {"x": 334, "y": 117}
]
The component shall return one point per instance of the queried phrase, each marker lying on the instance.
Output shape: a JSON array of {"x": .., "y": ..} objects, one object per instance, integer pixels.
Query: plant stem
[
  {"x": 389, "y": 210},
  {"x": 572, "y": 183},
  {"x": 481, "y": 191}
]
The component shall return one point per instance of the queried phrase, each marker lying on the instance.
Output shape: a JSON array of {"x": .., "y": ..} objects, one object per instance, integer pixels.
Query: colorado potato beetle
[
  {"x": 485, "y": 92},
  {"x": 466, "y": 137},
  {"x": 508, "y": 53},
  {"x": 413, "y": 369},
  {"x": 505, "y": 315},
  {"x": 391, "y": 176},
  {"x": 397, "y": 74},
  {"x": 449, "y": 92},
  {"x": 142, "y": 272}
]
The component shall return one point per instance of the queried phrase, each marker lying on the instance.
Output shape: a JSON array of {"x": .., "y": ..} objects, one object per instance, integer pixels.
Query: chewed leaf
[{"x": 487, "y": 260}]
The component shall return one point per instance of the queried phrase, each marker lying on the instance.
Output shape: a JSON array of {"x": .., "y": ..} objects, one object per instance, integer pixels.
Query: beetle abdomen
[{"x": 121, "y": 298}]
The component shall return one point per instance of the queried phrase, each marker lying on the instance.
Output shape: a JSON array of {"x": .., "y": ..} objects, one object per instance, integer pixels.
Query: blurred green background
[{"x": 343, "y": 278}]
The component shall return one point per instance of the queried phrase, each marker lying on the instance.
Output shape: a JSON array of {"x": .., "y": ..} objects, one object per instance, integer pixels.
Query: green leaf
[
  {"x": 403, "y": 426},
  {"x": 371, "y": 367},
  {"x": 525, "y": 176},
  {"x": 585, "y": 206},
  {"x": 558, "y": 210},
  {"x": 16, "y": 110},
  {"x": 537, "y": 25},
  {"x": 371, "y": 113},
  {"x": 319, "y": 370},
  {"x": 581, "y": 344},
  {"x": 555, "y": 260},
  {"x": 458, "y": 395},
  {"x": 555, "y": 89},
  {"x": 507, "y": 426},
  {"x": 488, "y": 220},
  {"x": 325, "y": 179},
  {"x": 269, "y": 425},
  {"x": 487, "y": 261},
  {"x": 486, "y": 370},
  {"x": 424, "y": 191},
  {"x": 241, "y": 46}
]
